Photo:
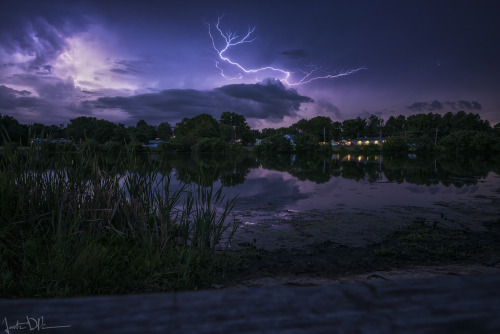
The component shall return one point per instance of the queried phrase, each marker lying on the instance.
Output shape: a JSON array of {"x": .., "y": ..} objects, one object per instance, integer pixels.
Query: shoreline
[{"x": 417, "y": 250}]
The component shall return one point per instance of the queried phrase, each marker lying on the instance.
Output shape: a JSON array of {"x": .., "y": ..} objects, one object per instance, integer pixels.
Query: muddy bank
[
  {"x": 419, "y": 249},
  {"x": 292, "y": 213},
  {"x": 347, "y": 230}
]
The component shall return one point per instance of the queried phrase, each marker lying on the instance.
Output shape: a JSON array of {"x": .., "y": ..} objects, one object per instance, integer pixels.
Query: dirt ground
[{"x": 405, "y": 242}]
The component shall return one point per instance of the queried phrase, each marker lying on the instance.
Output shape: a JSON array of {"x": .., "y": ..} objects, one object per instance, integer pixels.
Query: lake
[{"x": 289, "y": 201}]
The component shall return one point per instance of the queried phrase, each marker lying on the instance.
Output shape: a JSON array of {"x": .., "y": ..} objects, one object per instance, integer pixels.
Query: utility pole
[
  {"x": 324, "y": 136},
  {"x": 436, "y": 138}
]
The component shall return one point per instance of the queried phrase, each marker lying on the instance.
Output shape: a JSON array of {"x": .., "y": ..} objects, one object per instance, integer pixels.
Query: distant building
[
  {"x": 154, "y": 143},
  {"x": 369, "y": 140},
  {"x": 345, "y": 142},
  {"x": 290, "y": 138}
]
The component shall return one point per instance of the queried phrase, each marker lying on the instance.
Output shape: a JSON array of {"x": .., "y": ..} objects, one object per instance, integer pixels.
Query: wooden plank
[{"x": 438, "y": 305}]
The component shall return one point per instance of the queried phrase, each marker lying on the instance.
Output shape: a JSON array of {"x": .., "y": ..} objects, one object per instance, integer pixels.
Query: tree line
[{"x": 203, "y": 132}]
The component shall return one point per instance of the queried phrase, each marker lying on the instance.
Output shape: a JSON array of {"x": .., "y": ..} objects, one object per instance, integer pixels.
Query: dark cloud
[
  {"x": 266, "y": 100},
  {"x": 426, "y": 106},
  {"x": 59, "y": 90},
  {"x": 476, "y": 105},
  {"x": 47, "y": 87},
  {"x": 452, "y": 105},
  {"x": 270, "y": 93},
  {"x": 4, "y": 90},
  {"x": 51, "y": 103},
  {"x": 294, "y": 54},
  {"x": 436, "y": 105},
  {"x": 418, "y": 106},
  {"x": 326, "y": 108},
  {"x": 464, "y": 105},
  {"x": 473, "y": 105},
  {"x": 11, "y": 99}
]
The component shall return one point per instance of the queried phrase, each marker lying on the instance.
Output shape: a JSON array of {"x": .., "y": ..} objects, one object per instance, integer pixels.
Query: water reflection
[
  {"x": 413, "y": 170},
  {"x": 279, "y": 185},
  {"x": 233, "y": 170}
]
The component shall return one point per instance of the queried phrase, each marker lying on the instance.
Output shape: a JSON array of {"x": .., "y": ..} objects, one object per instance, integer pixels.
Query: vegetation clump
[{"x": 73, "y": 225}]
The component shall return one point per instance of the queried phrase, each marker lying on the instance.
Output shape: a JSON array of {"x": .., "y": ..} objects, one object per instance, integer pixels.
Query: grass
[
  {"x": 422, "y": 243},
  {"x": 72, "y": 225}
]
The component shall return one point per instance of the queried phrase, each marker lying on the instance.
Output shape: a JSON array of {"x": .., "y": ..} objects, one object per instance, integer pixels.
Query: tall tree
[
  {"x": 121, "y": 135},
  {"x": 319, "y": 127},
  {"x": 300, "y": 127},
  {"x": 81, "y": 128},
  {"x": 164, "y": 131},
  {"x": 104, "y": 131},
  {"x": 11, "y": 129},
  {"x": 353, "y": 128},
  {"x": 374, "y": 126},
  {"x": 240, "y": 128},
  {"x": 336, "y": 130},
  {"x": 395, "y": 126},
  {"x": 144, "y": 132},
  {"x": 201, "y": 126}
]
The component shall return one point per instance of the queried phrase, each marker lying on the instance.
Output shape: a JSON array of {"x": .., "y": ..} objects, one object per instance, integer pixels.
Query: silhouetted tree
[{"x": 164, "y": 131}]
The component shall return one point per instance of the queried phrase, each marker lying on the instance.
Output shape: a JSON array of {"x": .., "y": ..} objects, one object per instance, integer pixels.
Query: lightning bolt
[{"x": 231, "y": 39}]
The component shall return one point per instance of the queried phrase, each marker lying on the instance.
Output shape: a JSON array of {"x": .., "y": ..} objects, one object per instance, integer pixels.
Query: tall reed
[{"x": 101, "y": 228}]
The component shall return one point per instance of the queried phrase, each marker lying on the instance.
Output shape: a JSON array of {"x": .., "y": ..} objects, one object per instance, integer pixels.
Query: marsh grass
[
  {"x": 71, "y": 224},
  {"x": 428, "y": 244}
]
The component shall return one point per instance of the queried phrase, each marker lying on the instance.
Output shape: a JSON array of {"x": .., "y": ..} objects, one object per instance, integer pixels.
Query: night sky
[{"x": 155, "y": 60}]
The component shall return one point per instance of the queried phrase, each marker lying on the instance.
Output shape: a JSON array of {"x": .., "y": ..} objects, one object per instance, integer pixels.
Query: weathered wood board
[{"x": 469, "y": 304}]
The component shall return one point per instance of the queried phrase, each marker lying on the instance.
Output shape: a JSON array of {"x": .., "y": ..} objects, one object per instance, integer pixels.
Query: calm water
[
  {"x": 290, "y": 183},
  {"x": 288, "y": 200}
]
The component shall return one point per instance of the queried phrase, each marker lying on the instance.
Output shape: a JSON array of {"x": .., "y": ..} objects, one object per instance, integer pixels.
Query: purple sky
[{"x": 154, "y": 60}]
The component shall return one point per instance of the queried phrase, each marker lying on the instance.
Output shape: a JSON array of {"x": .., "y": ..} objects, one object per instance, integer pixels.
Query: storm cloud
[
  {"x": 269, "y": 99},
  {"x": 11, "y": 99},
  {"x": 438, "y": 106},
  {"x": 326, "y": 108},
  {"x": 129, "y": 60},
  {"x": 32, "y": 37}
]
